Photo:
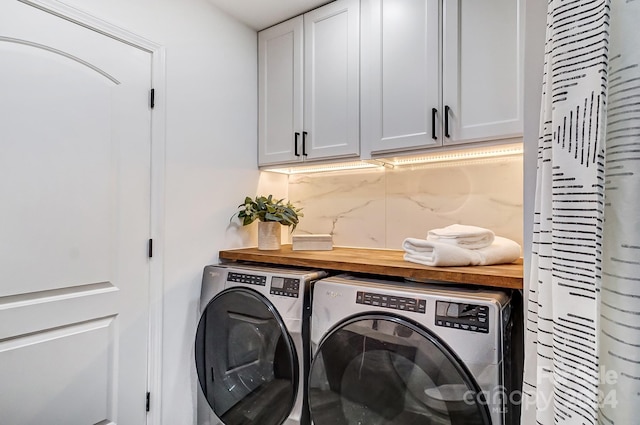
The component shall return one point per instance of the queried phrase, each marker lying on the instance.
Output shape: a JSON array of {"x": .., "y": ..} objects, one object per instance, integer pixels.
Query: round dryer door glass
[
  {"x": 245, "y": 359},
  {"x": 382, "y": 370}
]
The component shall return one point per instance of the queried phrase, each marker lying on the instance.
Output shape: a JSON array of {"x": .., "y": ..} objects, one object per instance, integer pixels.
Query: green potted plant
[{"x": 271, "y": 214}]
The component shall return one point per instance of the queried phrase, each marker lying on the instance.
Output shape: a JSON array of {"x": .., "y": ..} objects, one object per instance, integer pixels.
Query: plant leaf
[{"x": 273, "y": 217}]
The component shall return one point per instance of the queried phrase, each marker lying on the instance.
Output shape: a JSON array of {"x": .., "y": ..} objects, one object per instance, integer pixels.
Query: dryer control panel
[
  {"x": 250, "y": 279},
  {"x": 468, "y": 317},
  {"x": 285, "y": 286},
  {"x": 392, "y": 301}
]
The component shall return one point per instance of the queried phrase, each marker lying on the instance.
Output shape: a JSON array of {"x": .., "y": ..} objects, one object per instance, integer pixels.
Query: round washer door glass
[
  {"x": 383, "y": 370},
  {"x": 245, "y": 359}
]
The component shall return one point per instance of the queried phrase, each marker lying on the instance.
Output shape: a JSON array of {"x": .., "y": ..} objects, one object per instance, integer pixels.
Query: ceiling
[{"x": 260, "y": 14}]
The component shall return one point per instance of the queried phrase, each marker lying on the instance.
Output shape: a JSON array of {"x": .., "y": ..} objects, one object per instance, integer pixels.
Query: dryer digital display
[
  {"x": 287, "y": 287},
  {"x": 468, "y": 317}
]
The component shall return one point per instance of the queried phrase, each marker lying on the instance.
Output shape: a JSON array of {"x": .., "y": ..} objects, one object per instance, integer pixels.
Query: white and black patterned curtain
[{"x": 582, "y": 347}]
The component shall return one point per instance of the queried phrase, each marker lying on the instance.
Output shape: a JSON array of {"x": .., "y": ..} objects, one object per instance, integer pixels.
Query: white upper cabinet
[
  {"x": 482, "y": 70},
  {"x": 332, "y": 80},
  {"x": 280, "y": 59},
  {"x": 400, "y": 73},
  {"x": 440, "y": 72},
  {"x": 309, "y": 77}
]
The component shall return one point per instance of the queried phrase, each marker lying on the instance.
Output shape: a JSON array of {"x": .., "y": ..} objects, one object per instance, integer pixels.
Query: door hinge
[
  {"x": 152, "y": 98},
  {"x": 148, "y": 400},
  {"x": 150, "y": 252}
]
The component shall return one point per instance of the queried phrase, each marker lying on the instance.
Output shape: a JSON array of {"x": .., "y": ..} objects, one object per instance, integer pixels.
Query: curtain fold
[
  {"x": 561, "y": 343},
  {"x": 582, "y": 343},
  {"x": 620, "y": 292}
]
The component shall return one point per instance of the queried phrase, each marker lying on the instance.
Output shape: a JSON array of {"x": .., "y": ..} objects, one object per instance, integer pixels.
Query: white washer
[
  {"x": 251, "y": 349},
  {"x": 398, "y": 353}
]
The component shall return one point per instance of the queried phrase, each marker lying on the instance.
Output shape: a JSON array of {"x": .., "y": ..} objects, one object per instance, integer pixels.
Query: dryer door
[
  {"x": 385, "y": 370},
  {"x": 246, "y": 361}
]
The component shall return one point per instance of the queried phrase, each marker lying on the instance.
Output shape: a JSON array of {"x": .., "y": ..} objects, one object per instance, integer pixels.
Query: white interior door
[{"x": 74, "y": 222}]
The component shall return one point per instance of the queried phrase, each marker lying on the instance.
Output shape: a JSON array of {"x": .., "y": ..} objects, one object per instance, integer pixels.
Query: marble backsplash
[{"x": 379, "y": 208}]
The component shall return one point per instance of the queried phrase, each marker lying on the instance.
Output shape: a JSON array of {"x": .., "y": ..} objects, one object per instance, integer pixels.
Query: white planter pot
[{"x": 269, "y": 235}]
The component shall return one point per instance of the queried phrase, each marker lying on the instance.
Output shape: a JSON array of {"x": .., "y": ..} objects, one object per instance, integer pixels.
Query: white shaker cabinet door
[
  {"x": 482, "y": 68},
  {"x": 332, "y": 76},
  {"x": 280, "y": 63},
  {"x": 401, "y": 74}
]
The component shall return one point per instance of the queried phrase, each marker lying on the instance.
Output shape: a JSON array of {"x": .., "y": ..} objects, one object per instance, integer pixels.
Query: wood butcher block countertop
[{"x": 383, "y": 262}]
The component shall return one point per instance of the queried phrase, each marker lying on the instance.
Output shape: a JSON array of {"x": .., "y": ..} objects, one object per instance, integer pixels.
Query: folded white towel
[
  {"x": 470, "y": 237},
  {"x": 429, "y": 253}
]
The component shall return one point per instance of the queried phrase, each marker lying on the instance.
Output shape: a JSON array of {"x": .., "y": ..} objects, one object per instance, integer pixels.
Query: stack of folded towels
[{"x": 460, "y": 245}]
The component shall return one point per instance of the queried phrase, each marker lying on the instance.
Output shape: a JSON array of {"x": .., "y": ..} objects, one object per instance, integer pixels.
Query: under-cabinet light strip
[
  {"x": 327, "y": 167},
  {"x": 507, "y": 150},
  {"x": 458, "y": 156}
]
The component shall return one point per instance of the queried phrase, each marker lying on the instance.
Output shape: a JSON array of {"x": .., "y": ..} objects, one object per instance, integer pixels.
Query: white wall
[{"x": 211, "y": 149}]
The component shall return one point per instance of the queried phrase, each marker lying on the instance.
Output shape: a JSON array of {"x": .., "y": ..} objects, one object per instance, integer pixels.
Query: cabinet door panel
[
  {"x": 482, "y": 65},
  {"x": 402, "y": 74},
  {"x": 280, "y": 92},
  {"x": 331, "y": 111}
]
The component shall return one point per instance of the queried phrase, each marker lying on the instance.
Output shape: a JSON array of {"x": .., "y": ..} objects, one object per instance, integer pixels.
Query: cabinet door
[
  {"x": 482, "y": 67},
  {"x": 332, "y": 75},
  {"x": 280, "y": 93},
  {"x": 401, "y": 74}
]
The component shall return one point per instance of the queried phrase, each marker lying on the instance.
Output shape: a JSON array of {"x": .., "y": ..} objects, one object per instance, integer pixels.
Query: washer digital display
[{"x": 277, "y": 282}]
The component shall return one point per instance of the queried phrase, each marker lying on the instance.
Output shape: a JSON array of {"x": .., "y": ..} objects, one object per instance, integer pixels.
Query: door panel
[
  {"x": 76, "y": 354},
  {"x": 56, "y": 117},
  {"x": 75, "y": 189}
]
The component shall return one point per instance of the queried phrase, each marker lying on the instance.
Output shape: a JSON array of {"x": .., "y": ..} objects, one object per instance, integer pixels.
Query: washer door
[
  {"x": 384, "y": 370},
  {"x": 246, "y": 361}
]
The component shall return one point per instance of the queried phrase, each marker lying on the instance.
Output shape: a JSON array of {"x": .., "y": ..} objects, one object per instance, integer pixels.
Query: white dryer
[
  {"x": 251, "y": 349},
  {"x": 397, "y": 353}
]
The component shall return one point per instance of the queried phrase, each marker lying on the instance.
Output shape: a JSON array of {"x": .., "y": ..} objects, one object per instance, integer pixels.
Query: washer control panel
[
  {"x": 285, "y": 286},
  {"x": 392, "y": 301},
  {"x": 250, "y": 279},
  {"x": 467, "y": 317}
]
